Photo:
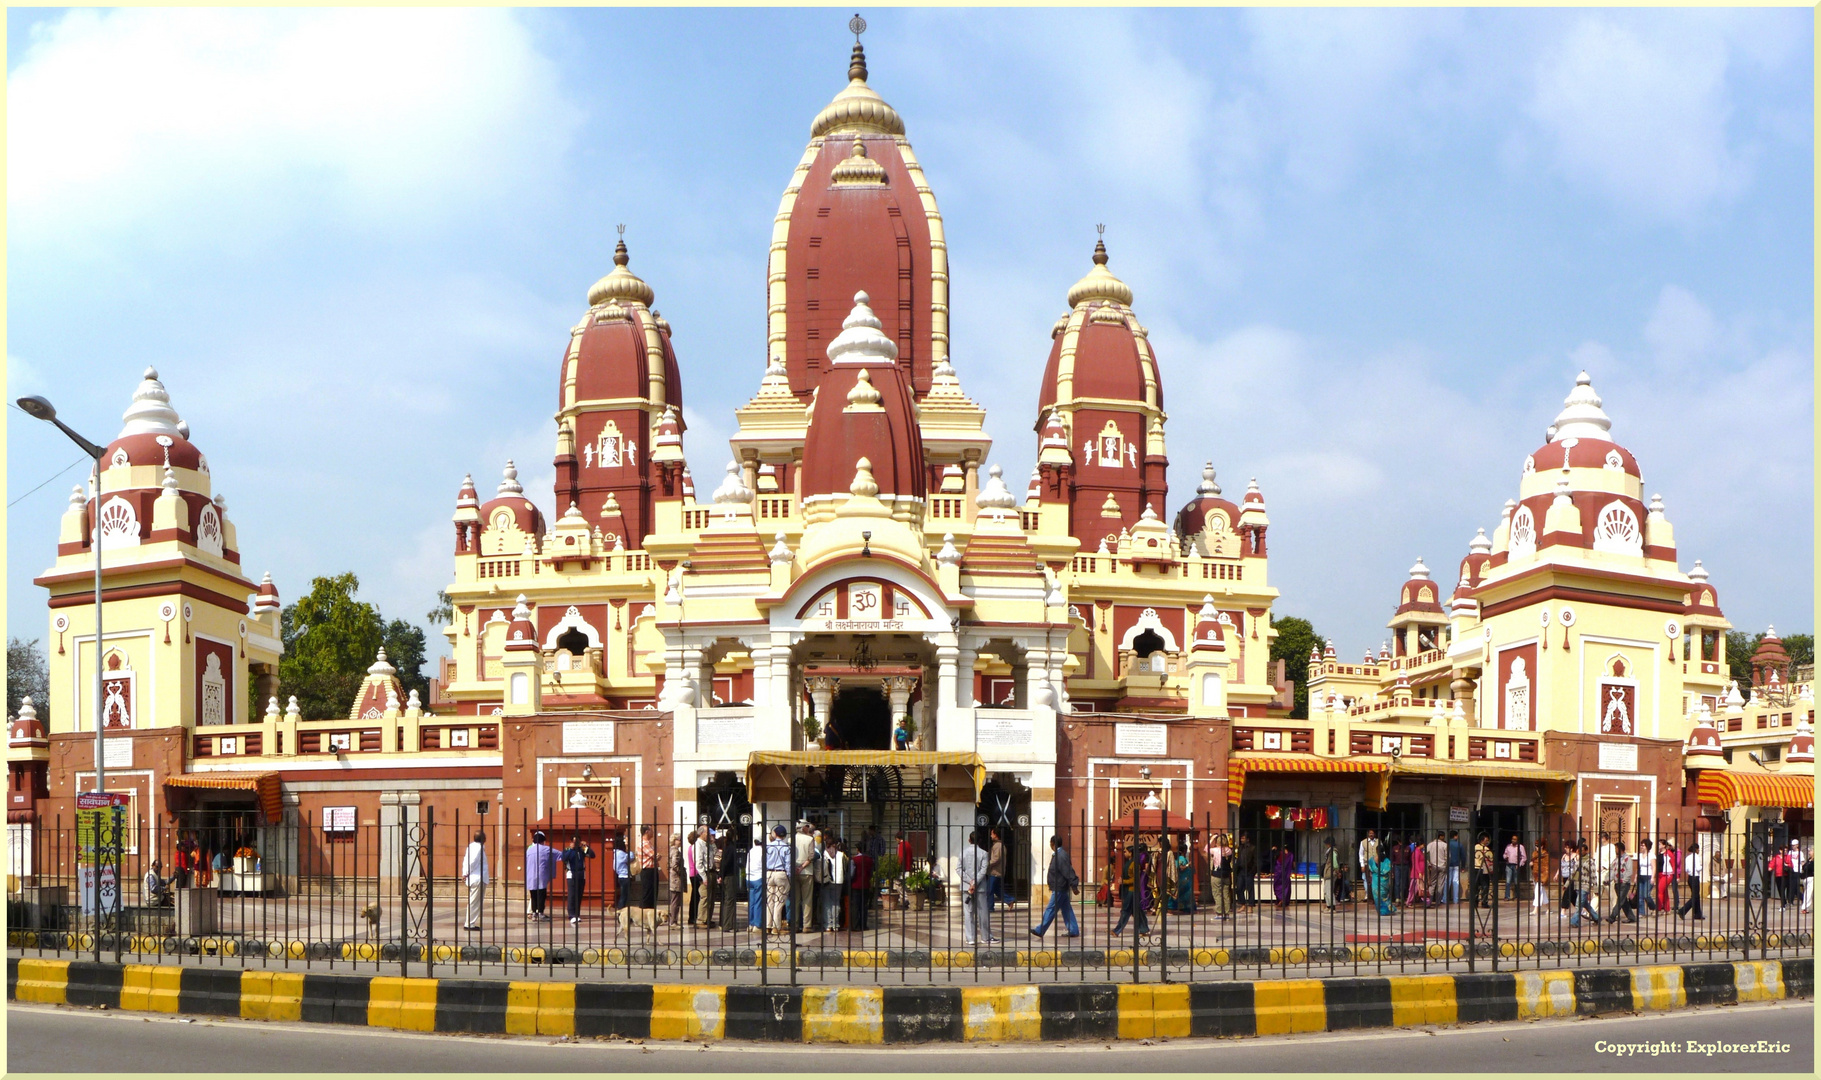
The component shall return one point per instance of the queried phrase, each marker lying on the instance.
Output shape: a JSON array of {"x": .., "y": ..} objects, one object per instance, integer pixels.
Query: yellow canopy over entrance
[{"x": 968, "y": 760}]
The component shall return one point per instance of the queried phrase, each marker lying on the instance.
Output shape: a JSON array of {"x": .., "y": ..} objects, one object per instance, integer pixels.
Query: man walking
[
  {"x": 1515, "y": 860},
  {"x": 1248, "y": 872},
  {"x": 1062, "y": 881},
  {"x": 1691, "y": 869},
  {"x": 974, "y": 925},
  {"x": 1331, "y": 871},
  {"x": 1457, "y": 858},
  {"x": 1482, "y": 872},
  {"x": 1586, "y": 881},
  {"x": 995, "y": 870},
  {"x": 1400, "y": 868},
  {"x": 474, "y": 871}
]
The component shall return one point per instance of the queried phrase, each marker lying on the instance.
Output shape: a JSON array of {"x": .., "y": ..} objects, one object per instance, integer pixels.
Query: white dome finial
[
  {"x": 151, "y": 412},
  {"x": 1419, "y": 572},
  {"x": 733, "y": 490},
  {"x": 1207, "y": 485},
  {"x": 862, "y": 338},
  {"x": 1480, "y": 544},
  {"x": 994, "y": 495},
  {"x": 509, "y": 484},
  {"x": 1581, "y": 416}
]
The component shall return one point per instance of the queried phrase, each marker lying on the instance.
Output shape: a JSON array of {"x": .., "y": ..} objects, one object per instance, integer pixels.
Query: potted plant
[
  {"x": 812, "y": 731},
  {"x": 885, "y": 879},
  {"x": 916, "y": 886}
]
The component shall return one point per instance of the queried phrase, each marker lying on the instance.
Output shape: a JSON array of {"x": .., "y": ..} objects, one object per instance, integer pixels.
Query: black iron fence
[{"x": 956, "y": 902}]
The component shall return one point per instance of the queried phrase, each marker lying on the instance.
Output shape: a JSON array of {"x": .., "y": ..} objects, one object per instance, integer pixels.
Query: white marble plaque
[
  {"x": 1618, "y": 757},
  {"x": 1151, "y": 740},
  {"x": 588, "y": 737},
  {"x": 996, "y": 729},
  {"x": 116, "y": 753},
  {"x": 712, "y": 730}
]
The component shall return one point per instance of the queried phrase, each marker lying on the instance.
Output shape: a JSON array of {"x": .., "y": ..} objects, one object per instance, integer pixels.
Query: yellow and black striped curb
[
  {"x": 908, "y": 1014},
  {"x": 1622, "y": 950}
]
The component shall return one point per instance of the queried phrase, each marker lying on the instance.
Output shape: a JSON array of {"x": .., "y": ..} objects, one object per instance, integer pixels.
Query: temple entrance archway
[{"x": 860, "y": 719}]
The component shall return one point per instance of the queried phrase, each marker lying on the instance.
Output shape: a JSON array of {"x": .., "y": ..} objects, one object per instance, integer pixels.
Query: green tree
[
  {"x": 405, "y": 651},
  {"x": 27, "y": 675},
  {"x": 1295, "y": 637},
  {"x": 330, "y": 640},
  {"x": 444, "y": 612}
]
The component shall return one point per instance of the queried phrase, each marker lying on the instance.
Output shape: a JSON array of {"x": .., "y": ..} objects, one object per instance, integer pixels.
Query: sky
[{"x": 1373, "y": 248}]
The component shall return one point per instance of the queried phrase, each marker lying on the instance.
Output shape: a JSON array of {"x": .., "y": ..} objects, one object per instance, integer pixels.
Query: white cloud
[
  {"x": 1681, "y": 328},
  {"x": 1641, "y": 117},
  {"x": 237, "y": 124}
]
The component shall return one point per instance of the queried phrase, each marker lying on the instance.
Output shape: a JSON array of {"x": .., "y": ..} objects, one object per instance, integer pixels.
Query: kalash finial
[
  {"x": 620, "y": 258},
  {"x": 856, "y": 66},
  {"x": 1100, "y": 246}
]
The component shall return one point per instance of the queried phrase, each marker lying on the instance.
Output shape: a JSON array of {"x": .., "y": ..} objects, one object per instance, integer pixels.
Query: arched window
[
  {"x": 1523, "y": 533},
  {"x": 1617, "y": 530},
  {"x": 573, "y": 641},
  {"x": 1146, "y": 643},
  {"x": 521, "y": 688}
]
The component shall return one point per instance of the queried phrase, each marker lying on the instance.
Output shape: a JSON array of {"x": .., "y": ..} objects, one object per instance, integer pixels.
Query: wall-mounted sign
[
  {"x": 996, "y": 730},
  {"x": 588, "y": 737},
  {"x": 1459, "y": 815},
  {"x": 1618, "y": 757},
  {"x": 1151, "y": 740},
  {"x": 734, "y": 730},
  {"x": 338, "y": 819},
  {"x": 117, "y": 753}
]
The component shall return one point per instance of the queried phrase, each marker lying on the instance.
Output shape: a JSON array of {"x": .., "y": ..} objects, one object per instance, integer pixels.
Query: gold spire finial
[
  {"x": 620, "y": 258},
  {"x": 1100, "y": 246},
  {"x": 856, "y": 65}
]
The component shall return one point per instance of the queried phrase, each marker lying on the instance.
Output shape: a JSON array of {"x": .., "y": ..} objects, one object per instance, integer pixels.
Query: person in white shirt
[
  {"x": 1691, "y": 867},
  {"x": 833, "y": 876},
  {"x": 1368, "y": 857},
  {"x": 700, "y": 903},
  {"x": 474, "y": 871},
  {"x": 755, "y": 886},
  {"x": 1608, "y": 866},
  {"x": 974, "y": 899}
]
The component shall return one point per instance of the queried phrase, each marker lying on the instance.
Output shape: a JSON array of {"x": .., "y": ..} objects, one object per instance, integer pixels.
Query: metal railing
[{"x": 378, "y": 896}]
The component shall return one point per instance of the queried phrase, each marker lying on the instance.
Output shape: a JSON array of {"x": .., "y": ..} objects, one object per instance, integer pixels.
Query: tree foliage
[
  {"x": 331, "y": 638},
  {"x": 27, "y": 675},
  {"x": 1295, "y": 637}
]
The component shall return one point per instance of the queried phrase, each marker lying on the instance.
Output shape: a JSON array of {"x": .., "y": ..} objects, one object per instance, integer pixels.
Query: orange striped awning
[
  {"x": 263, "y": 785},
  {"x": 1238, "y": 765},
  {"x": 1726, "y": 790}
]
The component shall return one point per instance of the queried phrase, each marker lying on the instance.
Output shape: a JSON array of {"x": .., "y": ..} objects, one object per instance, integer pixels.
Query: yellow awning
[
  {"x": 760, "y": 758},
  {"x": 1242, "y": 762},
  {"x": 1726, "y": 789},
  {"x": 1558, "y": 786},
  {"x": 264, "y": 786}
]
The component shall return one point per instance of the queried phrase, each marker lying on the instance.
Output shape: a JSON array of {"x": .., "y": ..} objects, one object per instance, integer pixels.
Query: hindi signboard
[
  {"x": 1618, "y": 757},
  {"x": 1148, "y": 740},
  {"x": 588, "y": 737},
  {"x": 714, "y": 728}
]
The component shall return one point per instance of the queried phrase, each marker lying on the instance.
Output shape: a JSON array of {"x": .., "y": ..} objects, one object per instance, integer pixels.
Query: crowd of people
[{"x": 810, "y": 881}]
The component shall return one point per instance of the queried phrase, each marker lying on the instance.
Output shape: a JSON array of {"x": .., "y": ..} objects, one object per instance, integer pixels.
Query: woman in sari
[
  {"x": 1280, "y": 879},
  {"x": 1381, "y": 882},
  {"x": 1418, "y": 872}
]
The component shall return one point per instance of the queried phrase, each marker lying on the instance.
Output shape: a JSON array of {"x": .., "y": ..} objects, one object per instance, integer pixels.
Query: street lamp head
[{"x": 38, "y": 408}]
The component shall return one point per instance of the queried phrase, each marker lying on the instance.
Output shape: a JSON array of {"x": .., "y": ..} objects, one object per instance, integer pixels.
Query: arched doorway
[{"x": 860, "y": 719}]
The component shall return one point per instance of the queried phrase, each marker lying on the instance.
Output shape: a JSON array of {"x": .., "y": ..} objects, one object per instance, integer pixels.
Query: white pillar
[
  {"x": 964, "y": 674},
  {"x": 761, "y": 677},
  {"x": 947, "y": 705}
]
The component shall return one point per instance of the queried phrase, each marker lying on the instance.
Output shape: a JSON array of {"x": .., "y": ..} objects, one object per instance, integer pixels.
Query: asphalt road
[{"x": 43, "y": 1038}]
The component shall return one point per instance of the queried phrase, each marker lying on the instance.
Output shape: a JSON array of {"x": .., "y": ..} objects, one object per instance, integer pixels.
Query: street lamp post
[{"x": 41, "y": 409}]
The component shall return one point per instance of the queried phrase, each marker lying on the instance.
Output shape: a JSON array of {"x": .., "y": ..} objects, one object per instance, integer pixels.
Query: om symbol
[{"x": 865, "y": 601}]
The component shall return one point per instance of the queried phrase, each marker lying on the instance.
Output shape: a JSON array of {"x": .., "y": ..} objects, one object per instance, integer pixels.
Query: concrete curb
[{"x": 890, "y": 1014}]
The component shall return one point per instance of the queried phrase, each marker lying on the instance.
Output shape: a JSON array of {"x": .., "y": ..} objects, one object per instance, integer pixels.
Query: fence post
[{"x": 429, "y": 860}]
